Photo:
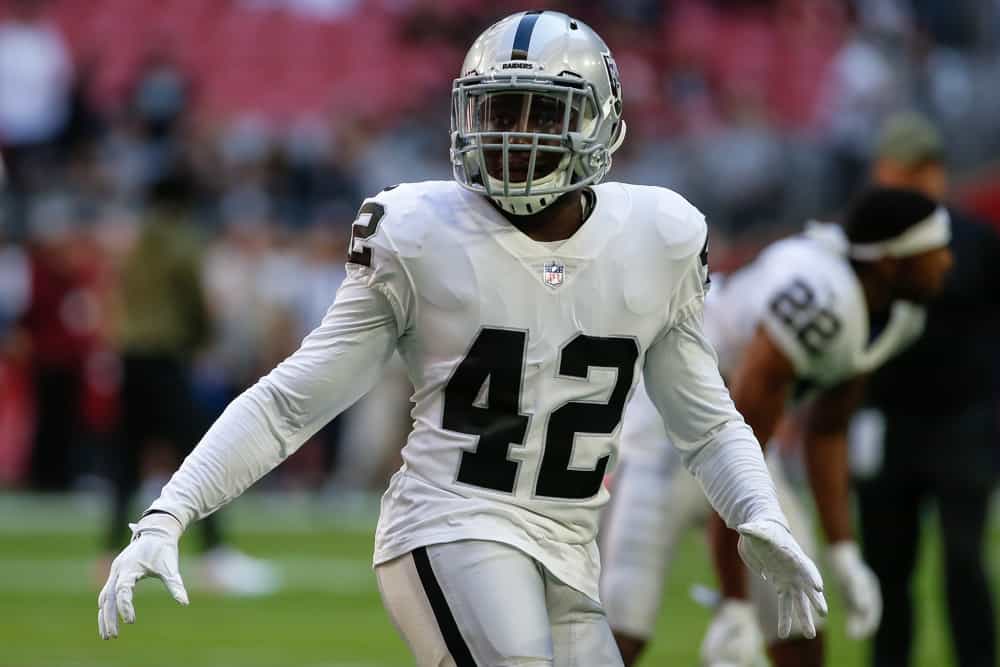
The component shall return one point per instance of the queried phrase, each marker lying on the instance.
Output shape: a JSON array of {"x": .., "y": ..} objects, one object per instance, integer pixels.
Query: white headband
[{"x": 931, "y": 233}]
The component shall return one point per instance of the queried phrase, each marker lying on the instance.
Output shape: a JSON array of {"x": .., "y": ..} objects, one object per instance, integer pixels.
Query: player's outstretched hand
[
  {"x": 859, "y": 589},
  {"x": 152, "y": 553},
  {"x": 770, "y": 550}
]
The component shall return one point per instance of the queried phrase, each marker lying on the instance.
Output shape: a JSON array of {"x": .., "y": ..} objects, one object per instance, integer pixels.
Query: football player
[
  {"x": 804, "y": 323},
  {"x": 526, "y": 299}
]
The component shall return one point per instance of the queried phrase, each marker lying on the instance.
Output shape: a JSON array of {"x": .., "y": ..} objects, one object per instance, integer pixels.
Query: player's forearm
[
  {"x": 337, "y": 363},
  {"x": 734, "y": 476},
  {"x": 241, "y": 447},
  {"x": 827, "y": 468},
  {"x": 825, "y": 447},
  {"x": 723, "y": 542},
  {"x": 761, "y": 403},
  {"x": 736, "y": 481}
]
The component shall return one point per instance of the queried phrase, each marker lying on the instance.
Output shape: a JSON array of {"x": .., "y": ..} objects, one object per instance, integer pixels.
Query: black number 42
[{"x": 496, "y": 361}]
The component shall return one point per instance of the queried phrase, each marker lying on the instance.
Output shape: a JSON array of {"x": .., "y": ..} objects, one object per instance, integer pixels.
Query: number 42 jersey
[{"x": 523, "y": 355}]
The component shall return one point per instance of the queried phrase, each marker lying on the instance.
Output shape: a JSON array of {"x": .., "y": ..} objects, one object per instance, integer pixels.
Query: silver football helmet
[{"x": 536, "y": 112}]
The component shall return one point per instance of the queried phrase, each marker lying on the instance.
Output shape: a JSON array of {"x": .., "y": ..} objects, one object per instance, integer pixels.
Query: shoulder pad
[
  {"x": 398, "y": 218},
  {"x": 679, "y": 223},
  {"x": 664, "y": 237}
]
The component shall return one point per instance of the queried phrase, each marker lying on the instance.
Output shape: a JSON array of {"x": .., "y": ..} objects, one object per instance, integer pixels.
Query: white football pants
[{"x": 485, "y": 604}]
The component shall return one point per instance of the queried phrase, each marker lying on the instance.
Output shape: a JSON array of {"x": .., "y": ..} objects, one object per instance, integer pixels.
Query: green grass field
[{"x": 328, "y": 614}]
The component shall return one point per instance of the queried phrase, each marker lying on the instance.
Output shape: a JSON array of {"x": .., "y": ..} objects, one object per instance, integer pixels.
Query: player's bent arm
[
  {"x": 825, "y": 448},
  {"x": 760, "y": 385},
  {"x": 338, "y": 362}
]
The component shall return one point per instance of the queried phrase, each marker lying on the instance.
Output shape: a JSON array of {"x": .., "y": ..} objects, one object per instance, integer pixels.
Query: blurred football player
[
  {"x": 932, "y": 431},
  {"x": 804, "y": 323},
  {"x": 525, "y": 299}
]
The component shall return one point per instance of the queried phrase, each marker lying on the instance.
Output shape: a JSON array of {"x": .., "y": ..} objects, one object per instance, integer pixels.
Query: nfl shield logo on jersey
[{"x": 552, "y": 273}]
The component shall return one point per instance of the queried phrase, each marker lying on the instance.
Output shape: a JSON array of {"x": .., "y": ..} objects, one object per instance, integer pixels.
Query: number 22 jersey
[
  {"x": 523, "y": 355},
  {"x": 804, "y": 293}
]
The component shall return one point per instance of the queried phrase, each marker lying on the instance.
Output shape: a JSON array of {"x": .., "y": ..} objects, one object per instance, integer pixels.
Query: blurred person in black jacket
[
  {"x": 936, "y": 416},
  {"x": 163, "y": 322}
]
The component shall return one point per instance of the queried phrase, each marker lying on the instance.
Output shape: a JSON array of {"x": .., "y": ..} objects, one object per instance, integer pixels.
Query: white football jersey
[
  {"x": 808, "y": 298},
  {"x": 806, "y": 295},
  {"x": 522, "y": 356}
]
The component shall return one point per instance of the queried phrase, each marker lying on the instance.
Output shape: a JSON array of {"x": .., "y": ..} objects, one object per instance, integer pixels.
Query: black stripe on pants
[{"x": 446, "y": 621}]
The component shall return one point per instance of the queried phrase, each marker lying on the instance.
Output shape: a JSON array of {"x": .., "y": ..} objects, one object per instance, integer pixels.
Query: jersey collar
[{"x": 586, "y": 243}]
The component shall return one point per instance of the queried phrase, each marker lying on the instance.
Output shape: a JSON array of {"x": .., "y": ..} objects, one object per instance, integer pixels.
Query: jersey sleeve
[
  {"x": 374, "y": 258},
  {"x": 717, "y": 446},
  {"x": 337, "y": 363},
  {"x": 803, "y": 318},
  {"x": 684, "y": 232},
  {"x": 683, "y": 381},
  {"x": 694, "y": 284}
]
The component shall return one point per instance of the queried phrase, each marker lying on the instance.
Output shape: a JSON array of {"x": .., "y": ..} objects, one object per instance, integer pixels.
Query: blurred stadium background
[{"x": 270, "y": 120}]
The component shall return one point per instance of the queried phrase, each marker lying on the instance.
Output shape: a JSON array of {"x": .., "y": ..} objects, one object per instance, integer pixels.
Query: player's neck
[
  {"x": 553, "y": 223},
  {"x": 878, "y": 293}
]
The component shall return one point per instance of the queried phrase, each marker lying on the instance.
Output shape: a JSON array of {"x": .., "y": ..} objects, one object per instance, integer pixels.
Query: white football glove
[
  {"x": 859, "y": 588},
  {"x": 152, "y": 553},
  {"x": 770, "y": 550},
  {"x": 733, "y": 638}
]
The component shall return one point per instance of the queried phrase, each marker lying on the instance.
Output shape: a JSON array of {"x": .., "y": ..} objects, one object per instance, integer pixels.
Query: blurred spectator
[
  {"x": 161, "y": 94},
  {"x": 935, "y": 421},
  {"x": 747, "y": 164},
  {"x": 164, "y": 321},
  {"x": 318, "y": 176},
  {"x": 416, "y": 144},
  {"x": 862, "y": 88},
  {"x": 62, "y": 322},
  {"x": 237, "y": 299},
  {"x": 144, "y": 141},
  {"x": 36, "y": 76},
  {"x": 15, "y": 416},
  {"x": 14, "y": 283}
]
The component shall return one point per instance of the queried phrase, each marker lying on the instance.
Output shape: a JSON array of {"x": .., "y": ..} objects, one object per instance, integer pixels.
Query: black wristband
[{"x": 156, "y": 511}]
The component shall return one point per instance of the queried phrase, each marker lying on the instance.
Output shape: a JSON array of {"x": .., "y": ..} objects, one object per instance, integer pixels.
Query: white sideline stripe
[
  {"x": 254, "y": 513},
  {"x": 78, "y": 575},
  {"x": 269, "y": 513}
]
